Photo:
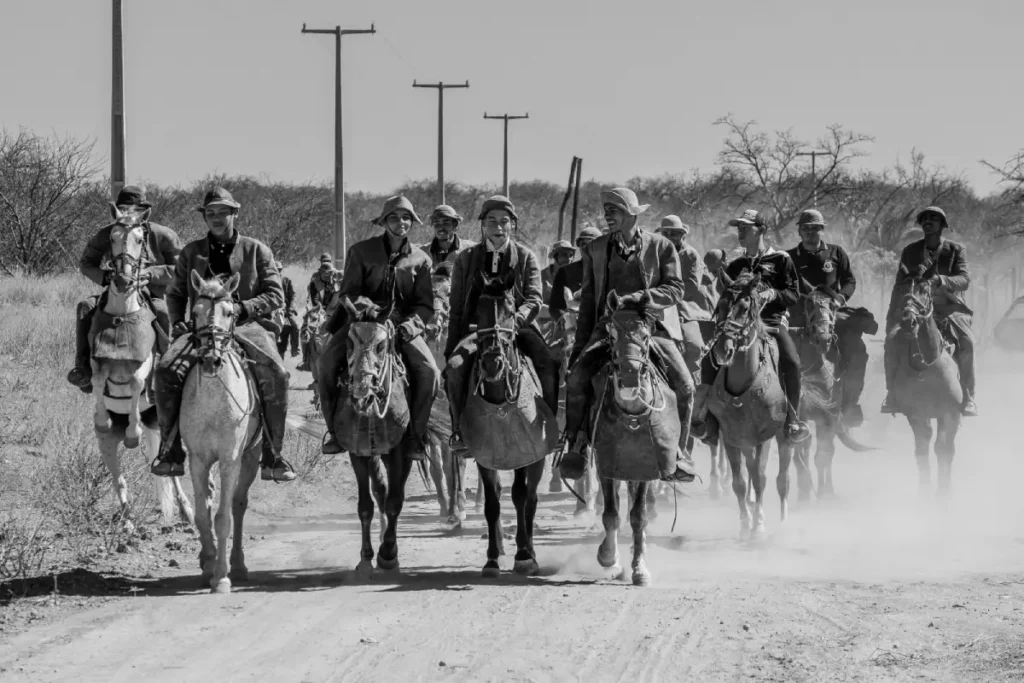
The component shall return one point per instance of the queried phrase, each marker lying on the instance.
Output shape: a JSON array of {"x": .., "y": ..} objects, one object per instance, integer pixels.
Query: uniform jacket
[
  {"x": 523, "y": 263},
  {"x": 695, "y": 304},
  {"x": 164, "y": 247},
  {"x": 778, "y": 272},
  {"x": 828, "y": 267},
  {"x": 951, "y": 267},
  {"x": 660, "y": 262},
  {"x": 366, "y": 274},
  {"x": 260, "y": 291}
]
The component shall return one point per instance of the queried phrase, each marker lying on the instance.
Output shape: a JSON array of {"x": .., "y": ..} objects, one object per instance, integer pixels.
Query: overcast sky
[{"x": 632, "y": 87}]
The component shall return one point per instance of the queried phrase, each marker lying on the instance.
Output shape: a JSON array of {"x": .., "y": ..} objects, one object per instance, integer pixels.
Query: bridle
[
  {"x": 212, "y": 339},
  {"x": 498, "y": 346},
  {"x": 742, "y": 333},
  {"x": 638, "y": 333},
  {"x": 820, "y": 312},
  {"x": 914, "y": 311},
  {"x": 377, "y": 402},
  {"x": 135, "y": 266}
]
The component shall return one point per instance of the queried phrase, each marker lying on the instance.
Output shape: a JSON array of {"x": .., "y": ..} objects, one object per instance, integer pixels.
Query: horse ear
[
  {"x": 232, "y": 284},
  {"x": 115, "y": 213},
  {"x": 197, "y": 280},
  {"x": 145, "y": 214},
  {"x": 613, "y": 300}
]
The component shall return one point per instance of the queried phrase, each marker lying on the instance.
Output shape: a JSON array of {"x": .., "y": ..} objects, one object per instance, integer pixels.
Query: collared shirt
[
  {"x": 625, "y": 249},
  {"x": 220, "y": 253},
  {"x": 439, "y": 253},
  {"x": 494, "y": 255}
]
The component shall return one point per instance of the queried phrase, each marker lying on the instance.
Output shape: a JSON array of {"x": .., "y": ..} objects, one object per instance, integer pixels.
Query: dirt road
[{"x": 878, "y": 586}]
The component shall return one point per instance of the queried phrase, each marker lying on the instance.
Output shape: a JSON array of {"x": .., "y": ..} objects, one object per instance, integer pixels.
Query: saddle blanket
[
  {"x": 129, "y": 337},
  {"x": 758, "y": 412}
]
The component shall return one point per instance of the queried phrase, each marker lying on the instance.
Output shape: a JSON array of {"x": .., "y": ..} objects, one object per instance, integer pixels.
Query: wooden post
[
  {"x": 565, "y": 200},
  {"x": 576, "y": 197},
  {"x": 440, "y": 87}
]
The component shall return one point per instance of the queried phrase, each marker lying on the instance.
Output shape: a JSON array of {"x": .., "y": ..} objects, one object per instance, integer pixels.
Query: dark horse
[
  {"x": 926, "y": 384},
  {"x": 635, "y": 428},
  {"x": 370, "y": 420},
  {"x": 820, "y": 396},
  {"x": 506, "y": 423}
]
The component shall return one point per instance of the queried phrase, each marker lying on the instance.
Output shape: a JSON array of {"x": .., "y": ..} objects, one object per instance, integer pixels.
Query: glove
[
  {"x": 178, "y": 329},
  {"x": 239, "y": 312},
  {"x": 768, "y": 295},
  {"x": 408, "y": 331},
  {"x": 519, "y": 321}
]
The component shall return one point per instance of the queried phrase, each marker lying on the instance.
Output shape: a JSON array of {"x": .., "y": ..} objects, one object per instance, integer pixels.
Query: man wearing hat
[
  {"x": 163, "y": 244},
  {"x": 497, "y": 256},
  {"x": 392, "y": 273},
  {"x": 570, "y": 276},
  {"x": 290, "y": 331},
  {"x": 695, "y": 306},
  {"x": 826, "y": 267},
  {"x": 224, "y": 252},
  {"x": 322, "y": 291},
  {"x": 633, "y": 263},
  {"x": 780, "y": 290},
  {"x": 946, "y": 262},
  {"x": 561, "y": 253},
  {"x": 446, "y": 245}
]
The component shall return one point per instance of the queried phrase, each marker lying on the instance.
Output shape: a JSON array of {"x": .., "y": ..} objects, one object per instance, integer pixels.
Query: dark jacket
[
  {"x": 317, "y": 288},
  {"x": 828, "y": 267},
  {"x": 523, "y": 263},
  {"x": 568, "y": 277},
  {"x": 164, "y": 247},
  {"x": 366, "y": 274},
  {"x": 778, "y": 272},
  {"x": 951, "y": 267},
  {"x": 436, "y": 254},
  {"x": 289, "y": 295},
  {"x": 660, "y": 262},
  {"x": 260, "y": 291},
  {"x": 695, "y": 304}
]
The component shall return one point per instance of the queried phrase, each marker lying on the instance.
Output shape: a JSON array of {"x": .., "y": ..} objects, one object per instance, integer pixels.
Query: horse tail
[{"x": 848, "y": 440}]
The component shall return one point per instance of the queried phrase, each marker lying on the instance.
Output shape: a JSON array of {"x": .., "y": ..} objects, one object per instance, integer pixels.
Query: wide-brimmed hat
[
  {"x": 588, "y": 233},
  {"x": 625, "y": 199},
  {"x": 500, "y": 202},
  {"x": 749, "y": 217},
  {"x": 672, "y": 223},
  {"x": 562, "y": 245},
  {"x": 445, "y": 211},
  {"x": 326, "y": 261},
  {"x": 392, "y": 204},
  {"x": 811, "y": 217},
  {"x": 218, "y": 195},
  {"x": 132, "y": 195},
  {"x": 932, "y": 209}
]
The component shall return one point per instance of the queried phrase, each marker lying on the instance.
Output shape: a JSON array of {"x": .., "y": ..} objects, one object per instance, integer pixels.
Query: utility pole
[
  {"x": 504, "y": 173},
  {"x": 813, "y": 154},
  {"x": 340, "y": 236},
  {"x": 117, "y": 148},
  {"x": 440, "y": 127}
]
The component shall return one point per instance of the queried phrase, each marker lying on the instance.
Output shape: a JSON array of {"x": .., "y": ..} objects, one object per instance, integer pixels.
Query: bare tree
[
  {"x": 775, "y": 172},
  {"x": 1012, "y": 174},
  {"x": 42, "y": 183}
]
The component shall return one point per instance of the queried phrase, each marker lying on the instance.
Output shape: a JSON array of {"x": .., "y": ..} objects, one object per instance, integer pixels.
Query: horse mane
[
  {"x": 740, "y": 285},
  {"x": 643, "y": 308}
]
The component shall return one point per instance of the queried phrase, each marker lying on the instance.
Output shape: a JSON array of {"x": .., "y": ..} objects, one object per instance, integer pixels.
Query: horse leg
[
  {"x": 824, "y": 454},
  {"x": 716, "y": 486},
  {"x": 101, "y": 418},
  {"x": 555, "y": 485},
  {"x": 524, "y": 496},
  {"x": 782, "y": 479},
  {"x": 239, "y": 504},
  {"x": 922, "y": 451},
  {"x": 491, "y": 486},
  {"x": 945, "y": 450},
  {"x": 398, "y": 468},
  {"x": 201, "y": 487},
  {"x": 133, "y": 432},
  {"x": 361, "y": 468},
  {"x": 108, "y": 444},
  {"x": 804, "y": 477},
  {"x": 435, "y": 463},
  {"x": 757, "y": 468},
  {"x": 229, "y": 475},
  {"x": 586, "y": 488},
  {"x": 479, "y": 502},
  {"x": 379, "y": 487},
  {"x": 650, "y": 500},
  {"x": 608, "y": 551},
  {"x": 456, "y": 499},
  {"x": 739, "y": 487},
  {"x": 638, "y": 520}
]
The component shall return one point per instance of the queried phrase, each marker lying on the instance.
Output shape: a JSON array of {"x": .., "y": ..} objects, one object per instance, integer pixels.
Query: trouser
[
  {"x": 789, "y": 371},
  {"x": 852, "y": 363},
  {"x": 460, "y": 366},
  {"x": 693, "y": 344},
  {"x": 83, "y": 325},
  {"x": 267, "y": 367},
  {"x": 289, "y": 333},
  {"x": 424, "y": 378},
  {"x": 959, "y": 328},
  {"x": 580, "y": 388}
]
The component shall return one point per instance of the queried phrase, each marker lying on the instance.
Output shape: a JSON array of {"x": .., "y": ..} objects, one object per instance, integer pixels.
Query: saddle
[
  {"x": 129, "y": 337},
  {"x": 380, "y": 431}
]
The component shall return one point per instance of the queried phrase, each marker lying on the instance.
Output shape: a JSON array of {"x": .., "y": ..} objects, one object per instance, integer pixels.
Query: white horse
[
  {"x": 220, "y": 423},
  {"x": 122, "y": 360}
]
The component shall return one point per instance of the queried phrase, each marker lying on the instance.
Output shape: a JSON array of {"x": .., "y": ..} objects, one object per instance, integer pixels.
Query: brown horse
[
  {"x": 820, "y": 396},
  {"x": 506, "y": 423},
  {"x": 635, "y": 428},
  {"x": 748, "y": 400},
  {"x": 926, "y": 384}
]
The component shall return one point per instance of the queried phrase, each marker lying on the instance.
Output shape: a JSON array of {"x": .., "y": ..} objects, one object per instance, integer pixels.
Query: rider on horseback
[
  {"x": 561, "y": 253},
  {"x": 224, "y": 252},
  {"x": 695, "y": 306},
  {"x": 497, "y": 256},
  {"x": 322, "y": 291},
  {"x": 632, "y": 263},
  {"x": 446, "y": 245},
  {"x": 827, "y": 267},
  {"x": 392, "y": 273},
  {"x": 163, "y": 247},
  {"x": 949, "y": 280},
  {"x": 570, "y": 276},
  {"x": 780, "y": 291}
]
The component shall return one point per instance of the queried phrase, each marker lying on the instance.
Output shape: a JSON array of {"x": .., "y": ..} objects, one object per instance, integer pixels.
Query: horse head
[
  {"x": 737, "y": 318},
  {"x": 630, "y": 330},
  {"x": 917, "y": 320},
  {"x": 312, "y": 320},
  {"x": 371, "y": 355},
  {"x": 498, "y": 363},
  {"x": 441, "y": 283},
  {"x": 129, "y": 248},
  {"x": 213, "y": 318},
  {"x": 820, "y": 310}
]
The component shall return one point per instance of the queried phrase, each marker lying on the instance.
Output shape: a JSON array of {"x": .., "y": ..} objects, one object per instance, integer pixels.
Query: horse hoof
[
  {"x": 364, "y": 570},
  {"x": 607, "y": 562},
  {"x": 614, "y": 572},
  {"x": 239, "y": 575},
  {"x": 451, "y": 523},
  {"x": 387, "y": 565},
  {"x": 526, "y": 567},
  {"x": 491, "y": 570},
  {"x": 641, "y": 577},
  {"x": 555, "y": 486},
  {"x": 103, "y": 428},
  {"x": 222, "y": 587},
  {"x": 131, "y": 441},
  {"x": 580, "y": 512}
]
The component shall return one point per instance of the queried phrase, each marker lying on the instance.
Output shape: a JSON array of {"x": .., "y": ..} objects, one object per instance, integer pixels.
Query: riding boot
[
  {"x": 171, "y": 371},
  {"x": 703, "y": 425},
  {"x": 273, "y": 466},
  {"x": 574, "y": 445},
  {"x": 304, "y": 365},
  {"x": 456, "y": 383},
  {"x": 81, "y": 375}
]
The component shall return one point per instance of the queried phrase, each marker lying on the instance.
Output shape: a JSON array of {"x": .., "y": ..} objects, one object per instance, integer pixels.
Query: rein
[{"x": 376, "y": 405}]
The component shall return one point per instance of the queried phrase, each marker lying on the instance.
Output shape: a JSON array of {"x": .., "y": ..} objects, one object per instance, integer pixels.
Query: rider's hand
[
  {"x": 519, "y": 321},
  {"x": 239, "y": 312},
  {"x": 408, "y": 331},
  {"x": 768, "y": 295},
  {"x": 179, "y": 329}
]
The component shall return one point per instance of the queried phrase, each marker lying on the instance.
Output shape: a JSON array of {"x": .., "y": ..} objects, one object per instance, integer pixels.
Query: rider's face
[
  {"x": 562, "y": 258},
  {"x": 220, "y": 219},
  {"x": 810, "y": 235},
  {"x": 398, "y": 223},
  {"x": 676, "y": 237},
  {"x": 932, "y": 224},
  {"x": 497, "y": 226},
  {"x": 444, "y": 229},
  {"x": 617, "y": 219}
]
